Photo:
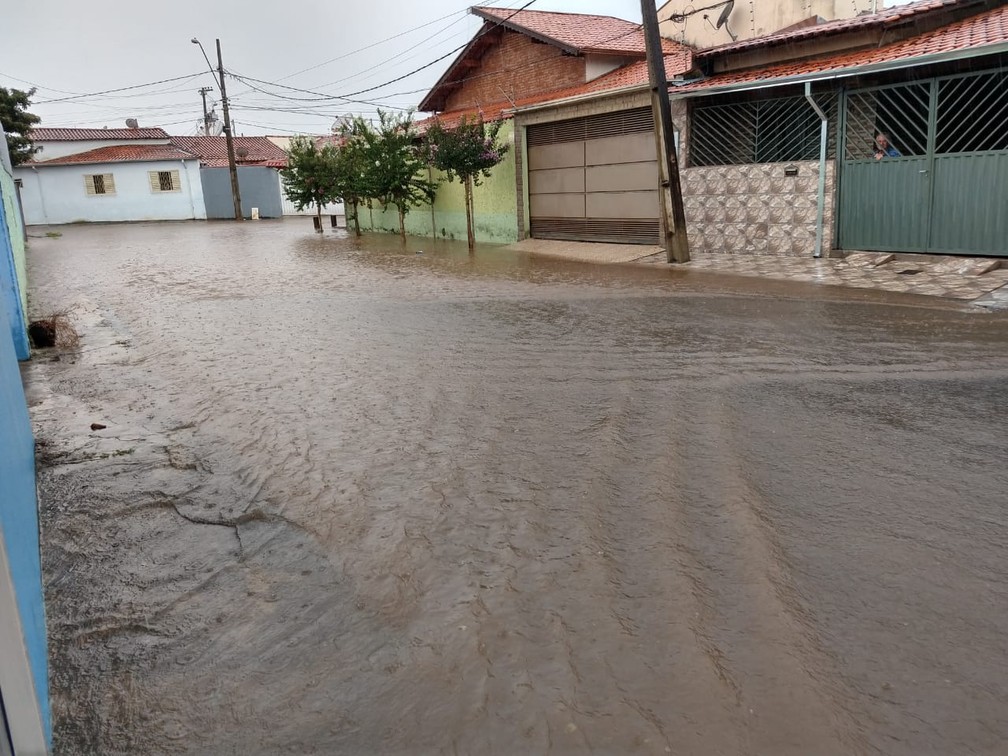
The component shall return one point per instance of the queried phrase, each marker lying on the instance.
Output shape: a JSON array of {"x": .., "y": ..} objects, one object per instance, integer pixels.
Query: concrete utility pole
[
  {"x": 206, "y": 116},
  {"x": 235, "y": 191},
  {"x": 673, "y": 215}
]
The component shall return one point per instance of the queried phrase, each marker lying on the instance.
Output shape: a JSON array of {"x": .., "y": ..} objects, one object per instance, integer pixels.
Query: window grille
[
  {"x": 972, "y": 113},
  {"x": 900, "y": 113},
  {"x": 164, "y": 181},
  {"x": 99, "y": 184},
  {"x": 780, "y": 130}
]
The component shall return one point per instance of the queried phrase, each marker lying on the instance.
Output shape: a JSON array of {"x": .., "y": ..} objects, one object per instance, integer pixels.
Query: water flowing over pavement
[{"x": 353, "y": 499}]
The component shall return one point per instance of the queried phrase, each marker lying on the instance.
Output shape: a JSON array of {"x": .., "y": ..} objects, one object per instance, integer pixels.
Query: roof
[
  {"x": 91, "y": 135},
  {"x": 119, "y": 153},
  {"x": 212, "y": 150},
  {"x": 880, "y": 20},
  {"x": 572, "y": 33},
  {"x": 970, "y": 34},
  {"x": 632, "y": 75}
]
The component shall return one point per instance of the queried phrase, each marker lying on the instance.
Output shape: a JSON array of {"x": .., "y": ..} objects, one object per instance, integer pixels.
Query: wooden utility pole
[
  {"x": 673, "y": 215},
  {"x": 206, "y": 116},
  {"x": 235, "y": 192}
]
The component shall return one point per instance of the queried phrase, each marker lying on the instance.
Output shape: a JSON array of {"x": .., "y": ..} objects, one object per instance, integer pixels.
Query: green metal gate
[{"x": 924, "y": 166}]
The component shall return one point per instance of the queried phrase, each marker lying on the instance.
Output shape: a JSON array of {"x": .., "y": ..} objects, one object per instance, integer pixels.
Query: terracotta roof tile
[
  {"x": 579, "y": 32},
  {"x": 972, "y": 33},
  {"x": 882, "y": 19},
  {"x": 91, "y": 135},
  {"x": 120, "y": 153},
  {"x": 212, "y": 150}
]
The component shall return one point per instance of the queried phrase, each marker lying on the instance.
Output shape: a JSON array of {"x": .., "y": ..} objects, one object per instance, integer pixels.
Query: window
[
  {"x": 164, "y": 181},
  {"x": 99, "y": 184},
  {"x": 780, "y": 130}
]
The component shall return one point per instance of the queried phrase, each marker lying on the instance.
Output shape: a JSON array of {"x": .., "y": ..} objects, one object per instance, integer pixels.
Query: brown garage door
[{"x": 595, "y": 178}]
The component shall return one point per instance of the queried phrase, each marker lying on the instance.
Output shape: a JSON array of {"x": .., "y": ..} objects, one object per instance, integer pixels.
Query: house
[
  {"x": 258, "y": 161},
  {"x": 132, "y": 174},
  {"x": 521, "y": 57},
  {"x": 776, "y": 133}
]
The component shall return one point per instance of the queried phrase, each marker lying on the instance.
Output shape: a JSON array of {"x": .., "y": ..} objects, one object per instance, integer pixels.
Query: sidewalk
[{"x": 971, "y": 279}]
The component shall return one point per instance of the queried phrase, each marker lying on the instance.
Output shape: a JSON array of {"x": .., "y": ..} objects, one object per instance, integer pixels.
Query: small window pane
[
  {"x": 99, "y": 184},
  {"x": 165, "y": 181}
]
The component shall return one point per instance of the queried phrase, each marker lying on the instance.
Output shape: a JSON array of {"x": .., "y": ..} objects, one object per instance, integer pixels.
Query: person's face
[{"x": 881, "y": 141}]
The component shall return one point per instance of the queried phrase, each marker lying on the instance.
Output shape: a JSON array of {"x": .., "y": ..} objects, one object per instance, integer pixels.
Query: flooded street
[{"x": 353, "y": 499}]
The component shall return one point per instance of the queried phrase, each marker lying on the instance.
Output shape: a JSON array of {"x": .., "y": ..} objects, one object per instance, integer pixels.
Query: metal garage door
[
  {"x": 943, "y": 185},
  {"x": 595, "y": 178}
]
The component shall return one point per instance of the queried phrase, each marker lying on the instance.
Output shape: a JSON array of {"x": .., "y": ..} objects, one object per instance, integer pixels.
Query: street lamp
[{"x": 232, "y": 166}]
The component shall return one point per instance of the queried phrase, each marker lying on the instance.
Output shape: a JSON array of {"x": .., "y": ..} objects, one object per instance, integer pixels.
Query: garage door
[{"x": 595, "y": 178}]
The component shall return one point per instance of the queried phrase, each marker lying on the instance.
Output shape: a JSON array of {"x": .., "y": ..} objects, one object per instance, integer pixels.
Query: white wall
[
  {"x": 57, "y": 194},
  {"x": 51, "y": 150},
  {"x": 289, "y": 209}
]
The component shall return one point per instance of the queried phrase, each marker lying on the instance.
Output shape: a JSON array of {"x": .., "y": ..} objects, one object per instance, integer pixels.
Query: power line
[{"x": 120, "y": 89}]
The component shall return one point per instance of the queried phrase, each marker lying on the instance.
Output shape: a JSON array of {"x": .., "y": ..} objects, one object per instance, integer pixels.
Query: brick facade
[{"x": 516, "y": 67}]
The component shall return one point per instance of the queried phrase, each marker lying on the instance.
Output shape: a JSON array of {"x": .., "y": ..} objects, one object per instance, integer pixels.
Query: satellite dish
[
  {"x": 725, "y": 13},
  {"x": 131, "y": 123}
]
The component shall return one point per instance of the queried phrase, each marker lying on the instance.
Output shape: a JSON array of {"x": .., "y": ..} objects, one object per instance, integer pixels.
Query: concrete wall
[
  {"x": 335, "y": 208},
  {"x": 56, "y": 194},
  {"x": 52, "y": 150},
  {"x": 23, "y": 647},
  {"x": 495, "y": 207},
  {"x": 753, "y": 19},
  {"x": 13, "y": 275},
  {"x": 259, "y": 188}
]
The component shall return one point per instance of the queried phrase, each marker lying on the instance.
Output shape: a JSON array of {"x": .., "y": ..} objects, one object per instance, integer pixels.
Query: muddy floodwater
[{"x": 357, "y": 499}]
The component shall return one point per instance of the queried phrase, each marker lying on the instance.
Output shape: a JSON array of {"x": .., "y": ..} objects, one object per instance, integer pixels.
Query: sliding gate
[{"x": 942, "y": 186}]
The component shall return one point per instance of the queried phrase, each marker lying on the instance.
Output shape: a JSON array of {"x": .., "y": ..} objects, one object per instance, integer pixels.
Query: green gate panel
[
  {"x": 970, "y": 211},
  {"x": 884, "y": 205}
]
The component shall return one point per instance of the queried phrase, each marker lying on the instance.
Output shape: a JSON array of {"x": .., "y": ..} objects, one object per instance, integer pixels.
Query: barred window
[
  {"x": 780, "y": 130},
  {"x": 973, "y": 113},
  {"x": 164, "y": 181},
  {"x": 99, "y": 184},
  {"x": 899, "y": 113}
]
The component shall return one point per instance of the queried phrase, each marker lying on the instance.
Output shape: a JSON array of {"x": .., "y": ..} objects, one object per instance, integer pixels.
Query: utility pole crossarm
[{"x": 670, "y": 191}]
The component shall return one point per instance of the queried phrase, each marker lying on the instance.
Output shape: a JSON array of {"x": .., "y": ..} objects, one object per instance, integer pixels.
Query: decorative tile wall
[{"x": 756, "y": 209}]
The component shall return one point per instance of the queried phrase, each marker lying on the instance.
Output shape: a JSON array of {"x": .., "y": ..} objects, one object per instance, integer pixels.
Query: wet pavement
[{"x": 355, "y": 499}]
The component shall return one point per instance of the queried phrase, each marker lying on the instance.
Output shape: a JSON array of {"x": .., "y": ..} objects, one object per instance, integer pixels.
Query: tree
[
  {"x": 394, "y": 163},
  {"x": 468, "y": 151},
  {"x": 310, "y": 178},
  {"x": 352, "y": 175},
  {"x": 17, "y": 123}
]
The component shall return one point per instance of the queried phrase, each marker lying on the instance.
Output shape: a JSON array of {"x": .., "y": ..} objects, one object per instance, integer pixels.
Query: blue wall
[
  {"x": 11, "y": 238},
  {"x": 259, "y": 187},
  {"x": 19, "y": 515}
]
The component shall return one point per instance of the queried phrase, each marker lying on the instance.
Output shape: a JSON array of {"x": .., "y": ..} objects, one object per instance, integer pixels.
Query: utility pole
[
  {"x": 206, "y": 116},
  {"x": 673, "y": 215},
  {"x": 235, "y": 192}
]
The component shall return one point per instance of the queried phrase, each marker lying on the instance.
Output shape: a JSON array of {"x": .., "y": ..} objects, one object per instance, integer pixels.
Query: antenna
[{"x": 723, "y": 19}]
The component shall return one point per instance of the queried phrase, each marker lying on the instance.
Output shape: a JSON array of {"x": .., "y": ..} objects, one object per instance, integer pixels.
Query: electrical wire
[{"x": 119, "y": 89}]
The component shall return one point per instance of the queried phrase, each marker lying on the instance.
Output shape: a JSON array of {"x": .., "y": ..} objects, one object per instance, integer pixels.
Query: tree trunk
[
  {"x": 318, "y": 215},
  {"x": 469, "y": 213},
  {"x": 402, "y": 223},
  {"x": 356, "y": 220}
]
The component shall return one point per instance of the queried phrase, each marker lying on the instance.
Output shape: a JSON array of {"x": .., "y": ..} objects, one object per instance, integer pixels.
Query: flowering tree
[
  {"x": 352, "y": 176},
  {"x": 394, "y": 163},
  {"x": 310, "y": 178},
  {"x": 468, "y": 151}
]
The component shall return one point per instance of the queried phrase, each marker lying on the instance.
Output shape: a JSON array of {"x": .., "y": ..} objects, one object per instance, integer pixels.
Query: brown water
[{"x": 357, "y": 500}]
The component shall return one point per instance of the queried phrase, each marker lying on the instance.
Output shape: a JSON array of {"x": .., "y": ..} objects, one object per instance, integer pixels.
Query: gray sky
[{"x": 68, "y": 48}]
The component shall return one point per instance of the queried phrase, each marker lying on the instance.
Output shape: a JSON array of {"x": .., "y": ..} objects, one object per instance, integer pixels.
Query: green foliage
[
  {"x": 310, "y": 176},
  {"x": 17, "y": 123},
  {"x": 394, "y": 164},
  {"x": 468, "y": 150}
]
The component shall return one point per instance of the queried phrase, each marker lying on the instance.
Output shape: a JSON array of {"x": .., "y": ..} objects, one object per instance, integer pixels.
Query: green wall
[
  {"x": 13, "y": 217},
  {"x": 495, "y": 206}
]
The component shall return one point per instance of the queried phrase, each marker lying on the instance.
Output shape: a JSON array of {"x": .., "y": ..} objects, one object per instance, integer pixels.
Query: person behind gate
[{"x": 884, "y": 149}]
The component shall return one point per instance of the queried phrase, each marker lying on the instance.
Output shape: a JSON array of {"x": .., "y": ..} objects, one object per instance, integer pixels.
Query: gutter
[{"x": 821, "y": 203}]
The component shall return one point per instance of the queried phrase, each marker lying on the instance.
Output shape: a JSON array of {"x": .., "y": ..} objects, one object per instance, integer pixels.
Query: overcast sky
[{"x": 69, "y": 48}]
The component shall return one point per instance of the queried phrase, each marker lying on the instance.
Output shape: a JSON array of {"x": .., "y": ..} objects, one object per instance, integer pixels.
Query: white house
[{"x": 101, "y": 175}]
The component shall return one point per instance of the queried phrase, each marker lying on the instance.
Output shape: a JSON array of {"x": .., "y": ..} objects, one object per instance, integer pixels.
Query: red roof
[
  {"x": 91, "y": 135},
  {"x": 972, "y": 33},
  {"x": 120, "y": 153},
  {"x": 883, "y": 19},
  {"x": 635, "y": 74},
  {"x": 575, "y": 32},
  {"x": 212, "y": 150}
]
